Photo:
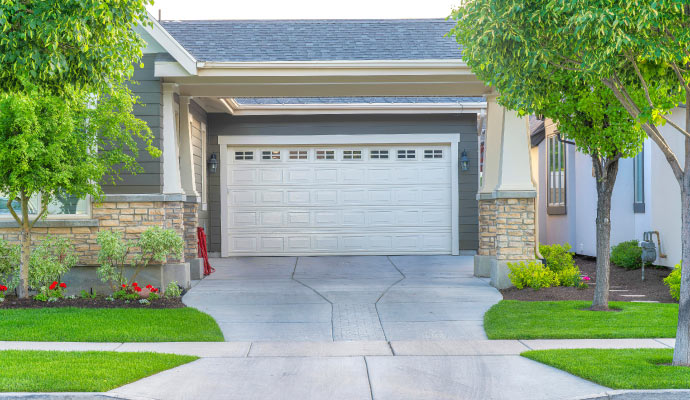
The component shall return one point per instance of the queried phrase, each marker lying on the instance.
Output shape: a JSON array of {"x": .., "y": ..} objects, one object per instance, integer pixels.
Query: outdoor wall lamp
[
  {"x": 213, "y": 163},
  {"x": 464, "y": 161}
]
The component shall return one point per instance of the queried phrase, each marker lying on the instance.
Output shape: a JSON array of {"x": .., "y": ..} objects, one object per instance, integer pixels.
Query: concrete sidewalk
[{"x": 347, "y": 348}]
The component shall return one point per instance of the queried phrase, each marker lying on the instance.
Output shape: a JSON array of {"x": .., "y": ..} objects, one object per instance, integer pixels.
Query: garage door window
[
  {"x": 407, "y": 154},
  {"x": 299, "y": 154},
  {"x": 270, "y": 155},
  {"x": 325, "y": 154},
  {"x": 352, "y": 154},
  {"x": 244, "y": 155},
  {"x": 379, "y": 154},
  {"x": 433, "y": 153}
]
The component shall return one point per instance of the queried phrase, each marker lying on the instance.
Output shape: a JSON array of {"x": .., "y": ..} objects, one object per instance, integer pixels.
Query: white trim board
[{"x": 451, "y": 139}]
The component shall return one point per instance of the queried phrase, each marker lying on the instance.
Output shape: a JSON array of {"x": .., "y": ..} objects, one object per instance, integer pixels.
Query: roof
[
  {"x": 537, "y": 130},
  {"x": 355, "y": 100},
  {"x": 315, "y": 40}
]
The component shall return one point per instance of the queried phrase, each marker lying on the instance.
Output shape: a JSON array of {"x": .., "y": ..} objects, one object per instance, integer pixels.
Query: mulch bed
[
  {"x": 621, "y": 279},
  {"x": 100, "y": 302}
]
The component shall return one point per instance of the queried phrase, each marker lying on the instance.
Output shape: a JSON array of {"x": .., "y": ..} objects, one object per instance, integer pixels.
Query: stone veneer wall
[
  {"x": 131, "y": 218},
  {"x": 506, "y": 229}
]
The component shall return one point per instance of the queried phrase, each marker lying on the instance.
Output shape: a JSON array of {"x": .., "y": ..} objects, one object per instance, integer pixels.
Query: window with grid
[
  {"x": 352, "y": 154},
  {"x": 556, "y": 179},
  {"x": 638, "y": 189},
  {"x": 325, "y": 154},
  {"x": 244, "y": 155},
  {"x": 299, "y": 154},
  {"x": 62, "y": 206},
  {"x": 270, "y": 155},
  {"x": 433, "y": 153},
  {"x": 379, "y": 154},
  {"x": 407, "y": 154}
]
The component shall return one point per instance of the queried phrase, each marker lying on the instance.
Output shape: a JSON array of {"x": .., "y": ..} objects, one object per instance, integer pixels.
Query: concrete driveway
[
  {"x": 370, "y": 328},
  {"x": 362, "y": 298}
]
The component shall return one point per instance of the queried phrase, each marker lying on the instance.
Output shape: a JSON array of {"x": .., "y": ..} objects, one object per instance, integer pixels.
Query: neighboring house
[
  {"x": 645, "y": 197},
  {"x": 313, "y": 155}
]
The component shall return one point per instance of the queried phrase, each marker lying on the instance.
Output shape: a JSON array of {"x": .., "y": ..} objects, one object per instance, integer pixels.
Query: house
[
  {"x": 645, "y": 197},
  {"x": 314, "y": 137}
]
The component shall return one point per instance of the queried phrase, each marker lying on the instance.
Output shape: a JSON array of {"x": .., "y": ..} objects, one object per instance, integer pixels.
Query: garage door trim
[{"x": 450, "y": 139}]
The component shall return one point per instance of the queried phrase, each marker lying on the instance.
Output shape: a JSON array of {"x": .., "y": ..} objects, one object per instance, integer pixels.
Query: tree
[
  {"x": 51, "y": 146},
  {"x": 64, "y": 105},
  {"x": 639, "y": 50}
]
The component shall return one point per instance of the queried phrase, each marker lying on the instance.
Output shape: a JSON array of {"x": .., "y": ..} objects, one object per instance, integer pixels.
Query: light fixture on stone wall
[
  {"x": 213, "y": 163},
  {"x": 464, "y": 161}
]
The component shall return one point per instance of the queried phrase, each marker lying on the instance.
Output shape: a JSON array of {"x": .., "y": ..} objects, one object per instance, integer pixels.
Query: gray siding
[
  {"x": 198, "y": 117},
  {"x": 148, "y": 88},
  {"x": 465, "y": 124}
]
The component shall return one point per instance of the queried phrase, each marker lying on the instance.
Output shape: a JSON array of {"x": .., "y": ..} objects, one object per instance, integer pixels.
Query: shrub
[
  {"x": 627, "y": 254},
  {"x": 557, "y": 257},
  {"x": 51, "y": 258},
  {"x": 155, "y": 245},
  {"x": 173, "y": 290},
  {"x": 569, "y": 277},
  {"x": 533, "y": 274},
  {"x": 673, "y": 282},
  {"x": 10, "y": 258}
]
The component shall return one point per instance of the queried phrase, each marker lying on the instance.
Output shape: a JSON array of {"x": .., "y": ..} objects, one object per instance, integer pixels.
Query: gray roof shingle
[
  {"x": 315, "y": 40},
  {"x": 354, "y": 100}
]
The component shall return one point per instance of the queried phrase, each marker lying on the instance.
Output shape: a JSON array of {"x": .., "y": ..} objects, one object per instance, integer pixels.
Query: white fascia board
[
  {"x": 291, "y": 140},
  {"x": 169, "y": 69},
  {"x": 353, "y": 108},
  {"x": 172, "y": 46},
  {"x": 330, "y": 68}
]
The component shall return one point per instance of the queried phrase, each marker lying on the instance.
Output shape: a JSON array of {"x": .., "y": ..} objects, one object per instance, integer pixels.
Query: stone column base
[
  {"x": 490, "y": 267},
  {"x": 196, "y": 267},
  {"x": 483, "y": 266}
]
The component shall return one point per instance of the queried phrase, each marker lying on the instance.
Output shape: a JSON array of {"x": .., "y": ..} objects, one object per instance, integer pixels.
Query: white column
[
  {"x": 492, "y": 144},
  {"x": 186, "y": 157},
  {"x": 171, "y": 166}
]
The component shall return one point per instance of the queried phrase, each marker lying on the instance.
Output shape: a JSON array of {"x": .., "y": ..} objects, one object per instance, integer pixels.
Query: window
[
  {"x": 325, "y": 154},
  {"x": 379, "y": 154},
  {"x": 556, "y": 182},
  {"x": 299, "y": 154},
  {"x": 638, "y": 173},
  {"x": 433, "y": 153},
  {"x": 244, "y": 155},
  {"x": 63, "y": 206},
  {"x": 270, "y": 155},
  {"x": 407, "y": 154},
  {"x": 352, "y": 154}
]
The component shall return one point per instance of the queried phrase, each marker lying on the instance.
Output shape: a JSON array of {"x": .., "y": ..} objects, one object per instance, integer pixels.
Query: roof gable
[{"x": 315, "y": 40}]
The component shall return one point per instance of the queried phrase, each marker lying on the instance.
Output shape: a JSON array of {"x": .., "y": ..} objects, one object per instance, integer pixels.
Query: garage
[{"x": 282, "y": 197}]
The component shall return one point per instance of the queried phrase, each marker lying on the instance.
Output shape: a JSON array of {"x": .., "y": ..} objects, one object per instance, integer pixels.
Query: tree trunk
[
  {"x": 606, "y": 172},
  {"x": 23, "y": 289},
  {"x": 681, "y": 352}
]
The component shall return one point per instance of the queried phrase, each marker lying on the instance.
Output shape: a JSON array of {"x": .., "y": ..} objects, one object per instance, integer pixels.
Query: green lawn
[
  {"x": 620, "y": 368},
  {"x": 511, "y": 319},
  {"x": 91, "y": 371},
  {"x": 108, "y": 325}
]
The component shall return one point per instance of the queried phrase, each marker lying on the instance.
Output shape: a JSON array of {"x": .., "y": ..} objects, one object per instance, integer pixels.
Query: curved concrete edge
[{"x": 663, "y": 394}]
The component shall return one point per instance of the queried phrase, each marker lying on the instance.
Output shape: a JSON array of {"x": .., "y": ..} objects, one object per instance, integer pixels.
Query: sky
[{"x": 301, "y": 9}]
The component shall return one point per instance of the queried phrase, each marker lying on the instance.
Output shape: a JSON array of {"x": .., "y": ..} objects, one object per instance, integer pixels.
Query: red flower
[
  {"x": 53, "y": 286},
  {"x": 135, "y": 284},
  {"x": 3, "y": 288},
  {"x": 63, "y": 285},
  {"x": 154, "y": 290},
  {"x": 138, "y": 289},
  {"x": 124, "y": 286},
  {"x": 149, "y": 286}
]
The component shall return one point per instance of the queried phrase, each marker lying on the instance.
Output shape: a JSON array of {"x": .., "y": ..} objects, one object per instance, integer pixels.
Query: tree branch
[
  {"x": 14, "y": 213},
  {"x": 645, "y": 86},
  {"x": 679, "y": 75},
  {"x": 673, "y": 124}
]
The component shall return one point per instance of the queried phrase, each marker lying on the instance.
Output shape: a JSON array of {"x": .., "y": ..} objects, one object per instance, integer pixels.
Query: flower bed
[{"x": 97, "y": 302}]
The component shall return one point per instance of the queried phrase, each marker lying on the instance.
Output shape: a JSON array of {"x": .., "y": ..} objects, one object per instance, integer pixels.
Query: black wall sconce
[
  {"x": 464, "y": 161},
  {"x": 213, "y": 163}
]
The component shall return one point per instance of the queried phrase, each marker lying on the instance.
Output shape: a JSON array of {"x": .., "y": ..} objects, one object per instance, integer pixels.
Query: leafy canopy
[
  {"x": 504, "y": 44},
  {"x": 69, "y": 43},
  {"x": 53, "y": 145}
]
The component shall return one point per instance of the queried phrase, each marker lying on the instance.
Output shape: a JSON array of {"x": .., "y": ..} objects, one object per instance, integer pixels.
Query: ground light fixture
[
  {"x": 464, "y": 161},
  {"x": 213, "y": 163}
]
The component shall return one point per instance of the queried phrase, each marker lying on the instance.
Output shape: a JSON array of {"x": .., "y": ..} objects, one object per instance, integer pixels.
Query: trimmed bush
[
  {"x": 627, "y": 254},
  {"x": 533, "y": 274},
  {"x": 569, "y": 277},
  {"x": 558, "y": 258},
  {"x": 673, "y": 283}
]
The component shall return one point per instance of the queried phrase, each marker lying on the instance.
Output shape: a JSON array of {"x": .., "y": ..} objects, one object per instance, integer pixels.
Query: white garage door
[{"x": 384, "y": 199}]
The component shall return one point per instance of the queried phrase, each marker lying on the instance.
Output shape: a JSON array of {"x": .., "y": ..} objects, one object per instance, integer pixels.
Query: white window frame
[
  {"x": 361, "y": 154},
  {"x": 232, "y": 141},
  {"x": 556, "y": 177},
  {"x": 244, "y": 155},
  {"x": 298, "y": 159},
  {"x": 86, "y": 215},
  {"x": 407, "y": 153},
  {"x": 638, "y": 182},
  {"x": 378, "y": 154},
  {"x": 325, "y": 154},
  {"x": 433, "y": 154},
  {"x": 271, "y": 155}
]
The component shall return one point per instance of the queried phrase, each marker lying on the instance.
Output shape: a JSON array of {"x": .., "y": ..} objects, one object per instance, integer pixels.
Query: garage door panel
[{"x": 339, "y": 206}]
